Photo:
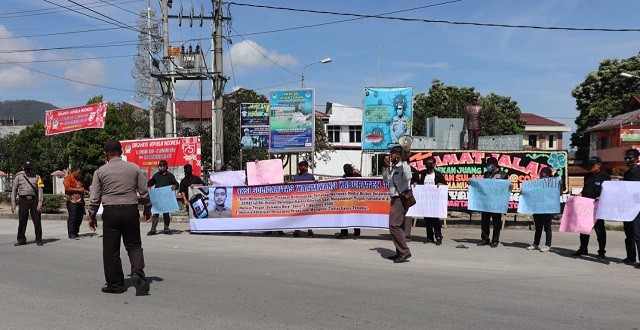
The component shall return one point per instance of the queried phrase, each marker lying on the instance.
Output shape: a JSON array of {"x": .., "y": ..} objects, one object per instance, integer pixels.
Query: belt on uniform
[
  {"x": 28, "y": 197},
  {"x": 119, "y": 206}
]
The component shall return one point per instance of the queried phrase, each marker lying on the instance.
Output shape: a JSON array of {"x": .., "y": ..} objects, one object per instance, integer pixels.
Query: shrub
[{"x": 52, "y": 203}]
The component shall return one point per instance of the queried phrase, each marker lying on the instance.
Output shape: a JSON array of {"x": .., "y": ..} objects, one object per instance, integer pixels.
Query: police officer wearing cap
[
  {"x": 27, "y": 194},
  {"x": 116, "y": 186},
  {"x": 592, "y": 189}
]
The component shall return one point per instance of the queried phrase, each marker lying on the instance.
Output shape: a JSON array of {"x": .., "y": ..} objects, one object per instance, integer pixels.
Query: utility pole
[
  {"x": 151, "y": 118},
  {"x": 168, "y": 92},
  {"x": 217, "y": 136}
]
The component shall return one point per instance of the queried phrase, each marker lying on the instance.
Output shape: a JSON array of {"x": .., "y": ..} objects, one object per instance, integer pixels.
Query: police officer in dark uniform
[
  {"x": 27, "y": 194},
  {"x": 632, "y": 228},
  {"x": 116, "y": 185},
  {"x": 592, "y": 189}
]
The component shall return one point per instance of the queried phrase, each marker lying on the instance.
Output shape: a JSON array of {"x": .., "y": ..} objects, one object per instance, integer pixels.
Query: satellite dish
[{"x": 405, "y": 141}]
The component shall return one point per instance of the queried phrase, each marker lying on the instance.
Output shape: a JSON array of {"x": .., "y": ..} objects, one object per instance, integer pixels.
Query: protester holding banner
[
  {"x": 303, "y": 175},
  {"x": 162, "y": 178},
  {"x": 398, "y": 173},
  {"x": 189, "y": 181},
  {"x": 430, "y": 176},
  {"x": 74, "y": 194},
  {"x": 541, "y": 221},
  {"x": 493, "y": 172},
  {"x": 592, "y": 189},
  {"x": 349, "y": 172},
  {"x": 632, "y": 228}
]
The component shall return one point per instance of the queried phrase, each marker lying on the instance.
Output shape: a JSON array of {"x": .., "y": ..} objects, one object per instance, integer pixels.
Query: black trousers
[
  {"x": 154, "y": 221},
  {"x": 76, "y": 212},
  {"x": 434, "y": 227},
  {"x": 636, "y": 236},
  {"x": 25, "y": 207},
  {"x": 345, "y": 232},
  {"x": 629, "y": 239},
  {"x": 601, "y": 233},
  {"x": 121, "y": 222},
  {"x": 542, "y": 221},
  {"x": 497, "y": 226}
]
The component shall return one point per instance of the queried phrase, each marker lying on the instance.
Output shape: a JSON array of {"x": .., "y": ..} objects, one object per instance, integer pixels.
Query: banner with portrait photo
[
  {"x": 387, "y": 116},
  {"x": 292, "y": 120},
  {"x": 340, "y": 203}
]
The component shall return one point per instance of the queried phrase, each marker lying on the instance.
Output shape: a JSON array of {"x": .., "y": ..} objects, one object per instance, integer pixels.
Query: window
[
  {"x": 533, "y": 140},
  {"x": 605, "y": 142},
  {"x": 552, "y": 138},
  {"x": 333, "y": 133},
  {"x": 355, "y": 134}
]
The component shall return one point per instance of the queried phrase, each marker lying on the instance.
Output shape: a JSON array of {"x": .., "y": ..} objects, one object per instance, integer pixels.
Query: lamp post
[{"x": 322, "y": 61}]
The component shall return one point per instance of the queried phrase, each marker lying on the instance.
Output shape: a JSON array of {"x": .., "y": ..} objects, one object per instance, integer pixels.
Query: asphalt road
[{"x": 254, "y": 281}]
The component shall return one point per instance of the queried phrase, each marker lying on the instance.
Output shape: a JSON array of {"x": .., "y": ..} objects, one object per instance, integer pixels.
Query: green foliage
[
  {"x": 24, "y": 112},
  {"x": 501, "y": 114},
  {"x": 52, "y": 203},
  {"x": 602, "y": 94}
]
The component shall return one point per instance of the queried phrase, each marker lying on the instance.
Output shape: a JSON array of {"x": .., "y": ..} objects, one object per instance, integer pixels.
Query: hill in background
[{"x": 24, "y": 112}]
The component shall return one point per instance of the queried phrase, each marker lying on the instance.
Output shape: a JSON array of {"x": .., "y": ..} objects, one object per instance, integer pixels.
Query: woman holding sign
[
  {"x": 430, "y": 176},
  {"x": 542, "y": 221},
  {"x": 493, "y": 172}
]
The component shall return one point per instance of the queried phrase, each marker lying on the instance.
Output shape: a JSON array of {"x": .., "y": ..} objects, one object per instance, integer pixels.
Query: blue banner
[
  {"x": 292, "y": 120},
  {"x": 163, "y": 200},
  {"x": 540, "y": 196},
  {"x": 387, "y": 116},
  {"x": 254, "y": 125},
  {"x": 489, "y": 195}
]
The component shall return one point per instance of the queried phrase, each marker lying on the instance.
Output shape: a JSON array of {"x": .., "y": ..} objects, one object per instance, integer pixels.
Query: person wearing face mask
[
  {"x": 493, "y": 172},
  {"x": 189, "y": 181},
  {"x": 542, "y": 221},
  {"x": 27, "y": 194},
  {"x": 349, "y": 172},
  {"x": 400, "y": 124},
  {"x": 398, "y": 173},
  {"x": 632, "y": 228},
  {"x": 74, "y": 194},
  {"x": 162, "y": 178},
  {"x": 303, "y": 175},
  {"x": 431, "y": 176},
  {"x": 592, "y": 189}
]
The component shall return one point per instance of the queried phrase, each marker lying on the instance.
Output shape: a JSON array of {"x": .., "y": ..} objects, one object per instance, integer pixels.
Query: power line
[
  {"x": 116, "y": 44},
  {"x": 46, "y": 11},
  {"x": 438, "y": 21},
  {"x": 60, "y": 33},
  {"x": 71, "y": 59}
]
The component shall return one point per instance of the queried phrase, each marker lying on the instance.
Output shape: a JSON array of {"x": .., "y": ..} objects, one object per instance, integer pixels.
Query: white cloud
[
  {"x": 88, "y": 71},
  {"x": 16, "y": 77},
  {"x": 249, "y": 54},
  {"x": 13, "y": 75}
]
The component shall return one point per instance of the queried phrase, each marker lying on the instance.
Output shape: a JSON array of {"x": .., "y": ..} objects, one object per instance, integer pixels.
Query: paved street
[{"x": 254, "y": 281}]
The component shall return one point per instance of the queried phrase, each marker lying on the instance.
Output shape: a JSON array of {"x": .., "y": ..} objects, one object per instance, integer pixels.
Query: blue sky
[{"x": 538, "y": 68}]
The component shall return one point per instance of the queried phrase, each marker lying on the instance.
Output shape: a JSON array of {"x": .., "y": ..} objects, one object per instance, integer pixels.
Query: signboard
[
  {"x": 431, "y": 201},
  {"x": 488, "y": 195},
  {"x": 619, "y": 201},
  {"x": 177, "y": 152},
  {"x": 292, "y": 120},
  {"x": 629, "y": 134},
  {"x": 254, "y": 125},
  {"x": 540, "y": 196},
  {"x": 461, "y": 165},
  {"x": 579, "y": 215},
  {"x": 387, "y": 116},
  {"x": 74, "y": 119}
]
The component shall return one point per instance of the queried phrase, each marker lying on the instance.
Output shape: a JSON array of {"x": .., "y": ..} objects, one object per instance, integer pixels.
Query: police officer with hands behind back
[{"x": 27, "y": 194}]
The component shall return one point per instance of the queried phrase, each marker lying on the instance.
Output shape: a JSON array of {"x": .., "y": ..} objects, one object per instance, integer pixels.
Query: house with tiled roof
[{"x": 543, "y": 133}]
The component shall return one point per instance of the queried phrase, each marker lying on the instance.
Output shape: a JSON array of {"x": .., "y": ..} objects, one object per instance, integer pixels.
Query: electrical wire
[
  {"x": 72, "y": 59},
  {"x": 46, "y": 11},
  {"x": 116, "y": 44}
]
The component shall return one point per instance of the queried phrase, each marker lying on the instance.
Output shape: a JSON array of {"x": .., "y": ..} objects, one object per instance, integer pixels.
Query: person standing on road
[
  {"x": 349, "y": 172},
  {"x": 116, "y": 186},
  {"x": 398, "y": 174},
  {"x": 303, "y": 175},
  {"x": 592, "y": 189},
  {"x": 493, "y": 172},
  {"x": 27, "y": 192},
  {"x": 542, "y": 221},
  {"x": 189, "y": 181},
  {"x": 632, "y": 228},
  {"x": 162, "y": 178},
  {"x": 430, "y": 176},
  {"x": 74, "y": 194}
]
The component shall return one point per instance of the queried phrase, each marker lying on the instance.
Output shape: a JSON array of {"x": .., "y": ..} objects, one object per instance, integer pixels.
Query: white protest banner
[
  {"x": 265, "y": 172},
  {"x": 431, "y": 201},
  {"x": 489, "y": 195},
  {"x": 578, "y": 215},
  {"x": 619, "y": 201},
  {"x": 163, "y": 200},
  {"x": 540, "y": 196},
  {"x": 227, "y": 179}
]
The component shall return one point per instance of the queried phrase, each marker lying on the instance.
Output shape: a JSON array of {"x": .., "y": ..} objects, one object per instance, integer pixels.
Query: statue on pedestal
[{"x": 471, "y": 125}]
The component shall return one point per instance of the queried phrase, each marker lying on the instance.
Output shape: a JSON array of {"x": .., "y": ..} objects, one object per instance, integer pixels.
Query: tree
[
  {"x": 603, "y": 94},
  {"x": 501, "y": 114}
]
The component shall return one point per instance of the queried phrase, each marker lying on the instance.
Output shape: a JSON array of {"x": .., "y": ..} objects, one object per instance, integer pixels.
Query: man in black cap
[
  {"x": 27, "y": 193},
  {"x": 162, "y": 178},
  {"x": 632, "y": 228},
  {"x": 592, "y": 189},
  {"x": 303, "y": 175},
  {"x": 189, "y": 181},
  {"x": 349, "y": 173},
  {"x": 116, "y": 185},
  {"x": 493, "y": 172}
]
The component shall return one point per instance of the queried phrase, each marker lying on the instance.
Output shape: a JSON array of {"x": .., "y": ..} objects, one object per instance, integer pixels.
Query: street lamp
[{"x": 323, "y": 61}]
